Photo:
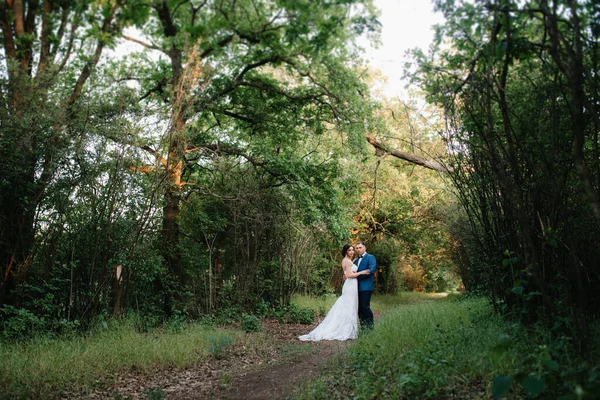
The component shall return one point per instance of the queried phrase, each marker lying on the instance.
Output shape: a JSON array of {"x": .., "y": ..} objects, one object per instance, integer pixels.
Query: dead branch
[{"x": 410, "y": 157}]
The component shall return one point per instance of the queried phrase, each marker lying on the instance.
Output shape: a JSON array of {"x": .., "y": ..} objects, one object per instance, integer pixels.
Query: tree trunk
[
  {"x": 170, "y": 234},
  {"x": 117, "y": 291},
  {"x": 572, "y": 68},
  {"x": 171, "y": 209}
]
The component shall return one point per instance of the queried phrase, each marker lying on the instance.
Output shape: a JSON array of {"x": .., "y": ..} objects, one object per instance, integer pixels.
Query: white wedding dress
[{"x": 341, "y": 322}]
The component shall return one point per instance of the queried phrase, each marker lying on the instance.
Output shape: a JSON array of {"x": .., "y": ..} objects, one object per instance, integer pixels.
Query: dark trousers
[{"x": 364, "y": 310}]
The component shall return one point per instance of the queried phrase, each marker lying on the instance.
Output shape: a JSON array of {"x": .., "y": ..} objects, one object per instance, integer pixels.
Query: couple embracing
[{"x": 341, "y": 322}]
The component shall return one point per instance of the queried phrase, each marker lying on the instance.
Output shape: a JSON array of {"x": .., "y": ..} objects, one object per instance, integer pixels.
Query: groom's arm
[{"x": 371, "y": 266}]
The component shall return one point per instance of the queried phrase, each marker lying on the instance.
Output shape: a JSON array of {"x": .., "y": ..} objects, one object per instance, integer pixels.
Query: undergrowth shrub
[
  {"x": 300, "y": 315},
  {"x": 549, "y": 366},
  {"x": 18, "y": 322},
  {"x": 251, "y": 323},
  {"x": 217, "y": 345}
]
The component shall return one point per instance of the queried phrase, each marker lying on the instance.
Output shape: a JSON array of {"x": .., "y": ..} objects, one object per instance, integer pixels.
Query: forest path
[
  {"x": 284, "y": 365},
  {"x": 293, "y": 363},
  {"x": 269, "y": 365}
]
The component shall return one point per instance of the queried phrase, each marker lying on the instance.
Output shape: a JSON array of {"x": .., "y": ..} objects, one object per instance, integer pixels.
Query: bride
[{"x": 341, "y": 322}]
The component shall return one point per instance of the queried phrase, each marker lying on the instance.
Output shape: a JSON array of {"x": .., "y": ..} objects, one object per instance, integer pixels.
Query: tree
[
  {"x": 247, "y": 80},
  {"x": 518, "y": 81},
  {"x": 50, "y": 49}
]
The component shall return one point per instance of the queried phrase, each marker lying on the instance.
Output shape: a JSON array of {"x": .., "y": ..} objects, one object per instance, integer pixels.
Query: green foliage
[
  {"x": 388, "y": 251},
  {"x": 403, "y": 213},
  {"x": 156, "y": 394},
  {"x": 500, "y": 386},
  {"x": 177, "y": 322},
  {"x": 319, "y": 304},
  {"x": 53, "y": 159},
  {"x": 300, "y": 311},
  {"x": 251, "y": 323},
  {"x": 263, "y": 308},
  {"x": 17, "y": 323},
  {"x": 318, "y": 279},
  {"x": 217, "y": 345},
  {"x": 413, "y": 246},
  {"x": 300, "y": 315},
  {"x": 262, "y": 108},
  {"x": 548, "y": 366},
  {"x": 518, "y": 137}
]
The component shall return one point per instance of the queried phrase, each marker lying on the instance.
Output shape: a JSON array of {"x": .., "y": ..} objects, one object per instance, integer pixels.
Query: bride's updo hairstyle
[{"x": 345, "y": 249}]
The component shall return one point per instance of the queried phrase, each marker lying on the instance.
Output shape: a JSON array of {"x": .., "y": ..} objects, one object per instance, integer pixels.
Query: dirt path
[
  {"x": 279, "y": 381},
  {"x": 287, "y": 363},
  {"x": 270, "y": 370}
]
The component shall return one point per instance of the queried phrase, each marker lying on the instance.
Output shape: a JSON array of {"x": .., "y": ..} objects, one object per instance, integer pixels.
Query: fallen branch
[{"x": 410, "y": 157}]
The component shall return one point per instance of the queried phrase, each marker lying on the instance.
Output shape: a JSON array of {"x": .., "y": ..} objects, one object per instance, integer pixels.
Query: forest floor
[
  {"x": 267, "y": 365},
  {"x": 271, "y": 370}
]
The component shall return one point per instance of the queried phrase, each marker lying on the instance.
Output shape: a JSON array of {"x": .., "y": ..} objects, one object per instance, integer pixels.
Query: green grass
[
  {"x": 419, "y": 350},
  {"x": 424, "y": 346},
  {"x": 320, "y": 304},
  {"x": 387, "y": 302},
  {"x": 43, "y": 368},
  {"x": 379, "y": 303}
]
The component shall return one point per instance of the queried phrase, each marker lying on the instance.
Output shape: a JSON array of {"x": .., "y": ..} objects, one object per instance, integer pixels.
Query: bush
[
  {"x": 18, "y": 322},
  {"x": 218, "y": 344},
  {"x": 251, "y": 323},
  {"x": 300, "y": 315},
  {"x": 548, "y": 366},
  {"x": 263, "y": 308},
  {"x": 177, "y": 322}
]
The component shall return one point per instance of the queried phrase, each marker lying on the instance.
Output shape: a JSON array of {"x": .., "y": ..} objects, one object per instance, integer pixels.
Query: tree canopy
[{"x": 188, "y": 158}]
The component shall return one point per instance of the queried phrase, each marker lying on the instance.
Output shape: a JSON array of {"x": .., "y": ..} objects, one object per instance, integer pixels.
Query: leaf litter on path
[{"x": 268, "y": 370}]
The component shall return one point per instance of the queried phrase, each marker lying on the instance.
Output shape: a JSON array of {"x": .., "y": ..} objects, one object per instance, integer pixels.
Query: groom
[{"x": 366, "y": 285}]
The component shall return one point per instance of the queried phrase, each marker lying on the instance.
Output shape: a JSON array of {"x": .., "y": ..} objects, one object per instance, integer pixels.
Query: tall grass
[
  {"x": 420, "y": 350},
  {"x": 379, "y": 303},
  {"x": 42, "y": 368},
  {"x": 320, "y": 304}
]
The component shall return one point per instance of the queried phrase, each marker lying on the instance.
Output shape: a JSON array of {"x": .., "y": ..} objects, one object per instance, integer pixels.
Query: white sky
[{"x": 406, "y": 24}]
